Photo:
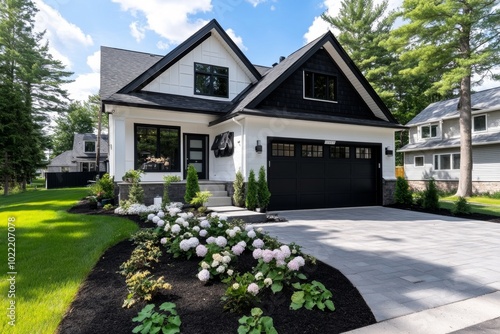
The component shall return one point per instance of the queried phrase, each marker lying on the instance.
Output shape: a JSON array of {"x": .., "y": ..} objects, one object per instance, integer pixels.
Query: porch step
[
  {"x": 219, "y": 201},
  {"x": 233, "y": 212},
  {"x": 213, "y": 187},
  {"x": 219, "y": 194}
]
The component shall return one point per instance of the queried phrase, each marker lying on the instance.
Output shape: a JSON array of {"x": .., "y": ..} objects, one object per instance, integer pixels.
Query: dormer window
[
  {"x": 429, "y": 131},
  {"x": 320, "y": 86},
  {"x": 89, "y": 146},
  {"x": 479, "y": 123},
  {"x": 211, "y": 80}
]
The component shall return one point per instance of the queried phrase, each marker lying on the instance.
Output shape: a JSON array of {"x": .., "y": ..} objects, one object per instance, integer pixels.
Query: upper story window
[
  {"x": 211, "y": 80},
  {"x": 429, "y": 131},
  {"x": 89, "y": 146},
  {"x": 320, "y": 86},
  {"x": 479, "y": 123}
]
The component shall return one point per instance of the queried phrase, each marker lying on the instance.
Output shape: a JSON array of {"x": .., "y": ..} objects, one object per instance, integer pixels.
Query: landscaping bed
[{"x": 98, "y": 306}]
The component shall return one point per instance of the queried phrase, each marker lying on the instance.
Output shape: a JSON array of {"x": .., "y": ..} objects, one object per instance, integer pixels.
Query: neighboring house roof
[
  {"x": 477, "y": 139},
  {"x": 79, "y": 147},
  {"x": 64, "y": 159},
  {"x": 125, "y": 88},
  {"x": 486, "y": 99}
]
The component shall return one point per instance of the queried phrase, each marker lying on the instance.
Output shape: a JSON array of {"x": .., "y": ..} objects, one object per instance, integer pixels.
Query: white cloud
[
  {"x": 236, "y": 39},
  {"x": 83, "y": 86},
  {"x": 168, "y": 18},
  {"x": 162, "y": 45},
  {"x": 94, "y": 61},
  {"x": 137, "y": 32},
  {"x": 255, "y": 3}
]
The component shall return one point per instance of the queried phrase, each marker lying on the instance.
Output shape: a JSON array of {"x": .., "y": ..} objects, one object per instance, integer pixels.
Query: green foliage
[
  {"x": 144, "y": 235},
  {"x": 430, "y": 196},
  {"x": 107, "y": 207},
  {"x": 402, "y": 193},
  {"x": 239, "y": 190},
  {"x": 279, "y": 275},
  {"x": 251, "y": 200},
  {"x": 461, "y": 207},
  {"x": 200, "y": 198},
  {"x": 136, "y": 194},
  {"x": 167, "y": 180},
  {"x": 142, "y": 256},
  {"x": 107, "y": 186},
  {"x": 133, "y": 175},
  {"x": 236, "y": 297},
  {"x": 142, "y": 286},
  {"x": 256, "y": 323},
  {"x": 312, "y": 294},
  {"x": 192, "y": 186},
  {"x": 263, "y": 193},
  {"x": 153, "y": 322}
]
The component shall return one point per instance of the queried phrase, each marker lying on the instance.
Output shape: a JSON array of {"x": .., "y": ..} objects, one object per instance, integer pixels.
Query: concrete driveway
[{"x": 405, "y": 263}]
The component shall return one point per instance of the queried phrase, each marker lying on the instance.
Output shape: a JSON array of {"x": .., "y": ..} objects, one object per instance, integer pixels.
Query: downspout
[{"x": 243, "y": 147}]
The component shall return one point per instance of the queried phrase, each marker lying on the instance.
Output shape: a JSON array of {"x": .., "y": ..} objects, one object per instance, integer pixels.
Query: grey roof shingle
[
  {"x": 485, "y": 99},
  {"x": 477, "y": 139},
  {"x": 78, "y": 146}
]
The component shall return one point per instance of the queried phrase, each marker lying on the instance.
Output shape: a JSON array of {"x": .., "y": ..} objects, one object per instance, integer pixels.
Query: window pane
[
  {"x": 283, "y": 150},
  {"x": 425, "y": 131},
  {"x": 312, "y": 151},
  {"x": 220, "y": 86},
  {"x": 445, "y": 161},
  {"x": 202, "y": 84},
  {"x": 90, "y": 146},
  {"x": 211, "y": 80},
  {"x": 339, "y": 152},
  {"x": 456, "y": 161},
  {"x": 157, "y": 148},
  {"x": 202, "y": 68},
  {"x": 480, "y": 123},
  {"x": 320, "y": 86},
  {"x": 308, "y": 87},
  {"x": 419, "y": 161},
  {"x": 363, "y": 153},
  {"x": 436, "y": 162},
  {"x": 434, "y": 130},
  {"x": 220, "y": 70},
  {"x": 168, "y": 148},
  {"x": 332, "y": 93}
]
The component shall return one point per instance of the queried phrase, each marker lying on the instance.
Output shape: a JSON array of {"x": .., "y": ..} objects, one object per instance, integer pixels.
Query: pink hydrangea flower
[
  {"x": 293, "y": 265},
  {"x": 257, "y": 253},
  {"x": 253, "y": 289},
  {"x": 203, "y": 233},
  {"x": 163, "y": 241},
  {"x": 267, "y": 255},
  {"x": 300, "y": 260},
  {"x": 201, "y": 250},
  {"x": 286, "y": 250},
  {"x": 221, "y": 241},
  {"x": 210, "y": 240},
  {"x": 205, "y": 224},
  {"x": 160, "y": 223},
  {"x": 258, "y": 243},
  {"x": 237, "y": 249},
  {"x": 204, "y": 275}
]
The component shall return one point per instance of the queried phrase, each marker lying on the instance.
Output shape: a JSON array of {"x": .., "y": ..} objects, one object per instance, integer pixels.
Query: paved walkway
[{"x": 405, "y": 264}]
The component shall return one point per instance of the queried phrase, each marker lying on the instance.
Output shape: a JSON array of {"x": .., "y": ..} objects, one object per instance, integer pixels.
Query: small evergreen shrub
[
  {"x": 201, "y": 198},
  {"x": 136, "y": 193},
  {"x": 263, "y": 193},
  {"x": 431, "y": 197},
  {"x": 192, "y": 186},
  {"x": 167, "y": 180},
  {"x": 461, "y": 207},
  {"x": 251, "y": 200},
  {"x": 239, "y": 190},
  {"x": 402, "y": 193}
]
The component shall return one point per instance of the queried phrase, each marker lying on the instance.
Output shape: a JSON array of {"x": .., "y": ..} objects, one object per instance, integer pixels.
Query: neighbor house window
[
  {"x": 65, "y": 169},
  {"x": 447, "y": 161},
  {"x": 283, "y": 150},
  {"x": 429, "y": 131},
  {"x": 479, "y": 123},
  {"x": 339, "y": 152},
  {"x": 363, "y": 153},
  {"x": 157, "y": 148},
  {"x": 211, "y": 80},
  {"x": 312, "y": 151},
  {"x": 89, "y": 146},
  {"x": 320, "y": 86},
  {"x": 419, "y": 161},
  {"x": 88, "y": 166}
]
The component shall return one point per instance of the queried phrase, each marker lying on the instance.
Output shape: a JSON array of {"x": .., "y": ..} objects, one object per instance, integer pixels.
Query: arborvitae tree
[
  {"x": 251, "y": 200},
  {"x": 136, "y": 193},
  {"x": 192, "y": 186},
  {"x": 452, "y": 40},
  {"x": 402, "y": 193},
  {"x": 431, "y": 196},
  {"x": 263, "y": 193},
  {"x": 239, "y": 190}
]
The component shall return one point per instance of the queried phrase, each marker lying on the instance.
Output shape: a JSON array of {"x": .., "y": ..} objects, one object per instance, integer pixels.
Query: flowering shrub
[
  {"x": 137, "y": 209},
  {"x": 241, "y": 293},
  {"x": 143, "y": 286},
  {"x": 142, "y": 256}
]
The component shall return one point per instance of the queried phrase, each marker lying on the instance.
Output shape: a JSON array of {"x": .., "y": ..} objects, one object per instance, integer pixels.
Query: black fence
[{"x": 71, "y": 179}]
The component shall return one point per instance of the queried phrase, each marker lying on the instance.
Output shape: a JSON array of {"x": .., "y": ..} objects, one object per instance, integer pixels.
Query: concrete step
[
  {"x": 233, "y": 212},
  {"x": 219, "y": 201},
  {"x": 212, "y": 187},
  {"x": 219, "y": 193}
]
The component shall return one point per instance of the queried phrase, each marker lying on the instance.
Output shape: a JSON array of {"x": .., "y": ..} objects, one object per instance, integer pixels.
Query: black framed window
[
  {"x": 211, "y": 80},
  {"x": 157, "y": 148},
  {"x": 320, "y": 86},
  {"x": 282, "y": 150},
  {"x": 339, "y": 152},
  {"x": 419, "y": 161},
  {"x": 312, "y": 151},
  {"x": 363, "y": 153},
  {"x": 88, "y": 166},
  {"x": 89, "y": 146}
]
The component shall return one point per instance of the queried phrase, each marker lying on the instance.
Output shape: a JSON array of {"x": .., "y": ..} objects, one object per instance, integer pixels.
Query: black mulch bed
[{"x": 97, "y": 307}]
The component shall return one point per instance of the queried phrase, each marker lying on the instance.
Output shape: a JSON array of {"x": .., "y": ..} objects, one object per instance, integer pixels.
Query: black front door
[{"x": 196, "y": 154}]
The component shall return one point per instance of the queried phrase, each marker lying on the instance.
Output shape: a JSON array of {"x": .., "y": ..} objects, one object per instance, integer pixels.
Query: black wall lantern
[
  {"x": 258, "y": 148},
  {"x": 388, "y": 151}
]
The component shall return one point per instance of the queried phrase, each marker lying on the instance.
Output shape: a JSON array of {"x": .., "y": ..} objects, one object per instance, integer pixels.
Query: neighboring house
[
  {"x": 82, "y": 158},
  {"x": 433, "y": 150},
  {"x": 314, "y": 122}
]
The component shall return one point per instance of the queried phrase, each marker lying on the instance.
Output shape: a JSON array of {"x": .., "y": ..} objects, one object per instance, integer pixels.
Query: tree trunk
[{"x": 465, "y": 180}]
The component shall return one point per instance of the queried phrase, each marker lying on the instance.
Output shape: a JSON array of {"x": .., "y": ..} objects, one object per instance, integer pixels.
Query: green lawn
[
  {"x": 479, "y": 204},
  {"x": 55, "y": 251}
]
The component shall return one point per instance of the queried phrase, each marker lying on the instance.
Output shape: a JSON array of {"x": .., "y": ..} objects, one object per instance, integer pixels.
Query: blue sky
[{"x": 263, "y": 29}]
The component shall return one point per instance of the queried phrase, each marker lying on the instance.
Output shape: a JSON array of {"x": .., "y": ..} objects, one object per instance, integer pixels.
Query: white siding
[{"x": 179, "y": 78}]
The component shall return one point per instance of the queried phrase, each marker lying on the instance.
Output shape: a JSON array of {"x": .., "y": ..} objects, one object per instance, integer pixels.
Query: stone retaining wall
[{"x": 452, "y": 186}]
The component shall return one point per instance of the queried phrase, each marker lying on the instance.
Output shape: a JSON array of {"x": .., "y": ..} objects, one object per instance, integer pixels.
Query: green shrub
[
  {"x": 263, "y": 194},
  {"x": 236, "y": 297},
  {"x": 251, "y": 200},
  {"x": 107, "y": 185},
  {"x": 402, "y": 193},
  {"x": 136, "y": 193},
  {"x": 133, "y": 175},
  {"x": 239, "y": 190},
  {"x": 201, "y": 198},
  {"x": 461, "y": 207},
  {"x": 312, "y": 294},
  {"x": 431, "y": 197},
  {"x": 167, "y": 180},
  {"x": 192, "y": 186},
  {"x": 153, "y": 322},
  {"x": 256, "y": 323},
  {"x": 142, "y": 286},
  {"x": 142, "y": 256}
]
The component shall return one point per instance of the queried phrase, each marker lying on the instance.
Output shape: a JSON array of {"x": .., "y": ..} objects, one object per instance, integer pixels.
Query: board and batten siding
[{"x": 179, "y": 78}]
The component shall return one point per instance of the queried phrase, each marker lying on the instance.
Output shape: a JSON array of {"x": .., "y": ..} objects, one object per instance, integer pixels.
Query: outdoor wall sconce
[
  {"x": 388, "y": 151},
  {"x": 258, "y": 148}
]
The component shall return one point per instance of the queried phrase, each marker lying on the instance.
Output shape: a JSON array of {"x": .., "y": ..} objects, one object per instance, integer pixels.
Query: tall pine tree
[{"x": 452, "y": 40}]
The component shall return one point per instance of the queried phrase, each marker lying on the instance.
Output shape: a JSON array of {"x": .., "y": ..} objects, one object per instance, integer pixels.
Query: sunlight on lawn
[{"x": 55, "y": 250}]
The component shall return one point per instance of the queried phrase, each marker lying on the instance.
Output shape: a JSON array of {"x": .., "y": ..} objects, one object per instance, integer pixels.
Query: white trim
[{"x": 452, "y": 167}]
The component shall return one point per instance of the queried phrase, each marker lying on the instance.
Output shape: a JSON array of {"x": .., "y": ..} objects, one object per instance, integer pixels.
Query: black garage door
[{"x": 305, "y": 175}]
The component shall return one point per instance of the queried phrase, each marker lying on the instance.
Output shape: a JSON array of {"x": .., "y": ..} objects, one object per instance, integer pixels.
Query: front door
[{"x": 196, "y": 154}]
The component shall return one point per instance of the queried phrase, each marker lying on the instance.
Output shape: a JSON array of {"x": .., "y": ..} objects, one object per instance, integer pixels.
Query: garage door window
[
  {"x": 312, "y": 151},
  {"x": 283, "y": 150},
  {"x": 339, "y": 152},
  {"x": 363, "y": 153}
]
